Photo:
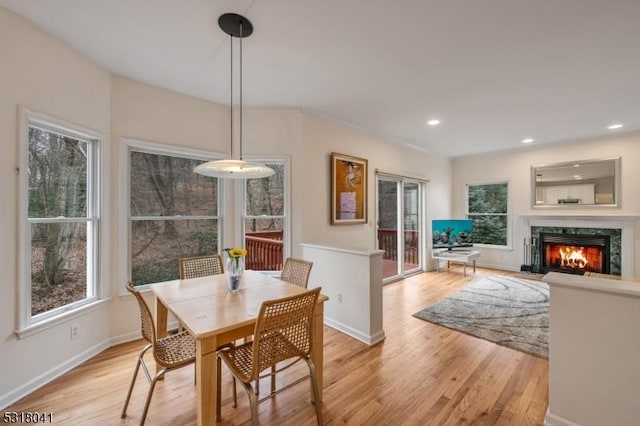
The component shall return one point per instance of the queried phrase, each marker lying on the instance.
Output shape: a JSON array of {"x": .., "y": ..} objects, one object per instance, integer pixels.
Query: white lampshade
[
  {"x": 235, "y": 26},
  {"x": 234, "y": 169}
]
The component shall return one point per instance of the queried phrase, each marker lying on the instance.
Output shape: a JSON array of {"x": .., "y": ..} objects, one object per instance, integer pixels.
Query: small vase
[{"x": 235, "y": 268}]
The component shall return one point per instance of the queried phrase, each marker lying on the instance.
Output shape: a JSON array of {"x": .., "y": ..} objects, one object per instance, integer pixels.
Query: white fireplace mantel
[{"x": 625, "y": 223}]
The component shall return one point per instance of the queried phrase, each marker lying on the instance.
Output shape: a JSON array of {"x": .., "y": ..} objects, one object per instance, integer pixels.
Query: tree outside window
[
  {"x": 62, "y": 224},
  {"x": 174, "y": 214},
  {"x": 488, "y": 208}
]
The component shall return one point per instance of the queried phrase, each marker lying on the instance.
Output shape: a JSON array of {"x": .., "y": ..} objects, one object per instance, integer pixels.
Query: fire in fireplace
[{"x": 574, "y": 253}]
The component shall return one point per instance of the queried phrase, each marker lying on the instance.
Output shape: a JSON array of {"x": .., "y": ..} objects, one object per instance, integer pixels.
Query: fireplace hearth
[{"x": 574, "y": 253}]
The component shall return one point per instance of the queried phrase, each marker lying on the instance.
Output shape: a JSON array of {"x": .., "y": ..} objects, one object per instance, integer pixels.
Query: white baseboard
[
  {"x": 499, "y": 267},
  {"x": 124, "y": 338},
  {"x": 369, "y": 339},
  {"x": 485, "y": 265},
  {"x": 36, "y": 383},
  {"x": 41, "y": 380},
  {"x": 133, "y": 335},
  {"x": 553, "y": 420}
]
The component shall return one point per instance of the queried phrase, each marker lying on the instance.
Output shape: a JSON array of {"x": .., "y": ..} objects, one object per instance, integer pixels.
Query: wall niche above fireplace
[{"x": 576, "y": 183}]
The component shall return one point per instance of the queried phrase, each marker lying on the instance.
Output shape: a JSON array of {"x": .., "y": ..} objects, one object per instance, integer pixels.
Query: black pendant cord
[
  {"x": 231, "y": 93},
  {"x": 241, "y": 36}
]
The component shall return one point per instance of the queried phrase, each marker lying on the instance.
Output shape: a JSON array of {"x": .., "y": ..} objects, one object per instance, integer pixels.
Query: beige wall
[
  {"x": 43, "y": 75},
  {"x": 320, "y": 139},
  {"x": 515, "y": 167},
  {"x": 146, "y": 113},
  {"x": 46, "y": 76}
]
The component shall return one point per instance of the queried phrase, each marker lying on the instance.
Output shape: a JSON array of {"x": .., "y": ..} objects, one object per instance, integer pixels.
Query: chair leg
[
  {"x": 133, "y": 381},
  {"x": 273, "y": 380},
  {"x": 235, "y": 393},
  {"x": 316, "y": 390},
  {"x": 150, "y": 394},
  {"x": 218, "y": 389},
  {"x": 253, "y": 403}
]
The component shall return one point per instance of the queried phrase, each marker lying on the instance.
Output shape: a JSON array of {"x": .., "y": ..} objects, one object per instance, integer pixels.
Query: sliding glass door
[{"x": 400, "y": 231}]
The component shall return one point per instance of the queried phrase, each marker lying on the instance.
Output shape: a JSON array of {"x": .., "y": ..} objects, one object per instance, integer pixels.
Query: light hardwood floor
[{"x": 422, "y": 374}]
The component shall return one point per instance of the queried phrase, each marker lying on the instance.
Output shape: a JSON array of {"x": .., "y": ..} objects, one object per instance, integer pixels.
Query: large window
[
  {"x": 265, "y": 219},
  {"x": 173, "y": 212},
  {"x": 59, "y": 235},
  {"x": 487, "y": 206}
]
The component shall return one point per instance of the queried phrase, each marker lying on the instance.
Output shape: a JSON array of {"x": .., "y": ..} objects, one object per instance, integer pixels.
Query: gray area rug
[{"x": 509, "y": 311}]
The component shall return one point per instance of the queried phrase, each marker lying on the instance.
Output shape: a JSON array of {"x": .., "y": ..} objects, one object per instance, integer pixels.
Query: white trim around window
[
  {"x": 286, "y": 217},
  {"x": 124, "y": 217},
  {"x": 509, "y": 231},
  {"x": 96, "y": 187}
]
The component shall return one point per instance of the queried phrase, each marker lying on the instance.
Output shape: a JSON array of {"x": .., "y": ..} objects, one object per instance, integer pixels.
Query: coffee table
[{"x": 457, "y": 256}]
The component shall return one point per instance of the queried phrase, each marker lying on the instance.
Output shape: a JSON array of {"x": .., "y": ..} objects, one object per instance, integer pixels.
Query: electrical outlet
[
  {"x": 339, "y": 297},
  {"x": 74, "y": 331}
]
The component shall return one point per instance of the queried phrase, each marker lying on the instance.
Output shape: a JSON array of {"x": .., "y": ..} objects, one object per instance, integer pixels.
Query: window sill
[{"x": 57, "y": 320}]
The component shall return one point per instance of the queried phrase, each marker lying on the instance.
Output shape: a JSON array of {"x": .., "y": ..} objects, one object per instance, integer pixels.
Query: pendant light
[{"x": 236, "y": 26}]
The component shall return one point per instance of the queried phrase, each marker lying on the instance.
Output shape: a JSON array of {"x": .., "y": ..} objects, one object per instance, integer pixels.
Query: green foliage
[
  {"x": 488, "y": 207},
  {"x": 490, "y": 230},
  {"x": 205, "y": 241},
  {"x": 491, "y": 198},
  {"x": 155, "y": 272}
]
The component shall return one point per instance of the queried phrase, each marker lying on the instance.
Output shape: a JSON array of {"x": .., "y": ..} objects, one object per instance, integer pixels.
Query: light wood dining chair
[
  {"x": 200, "y": 266},
  {"x": 169, "y": 352},
  {"x": 296, "y": 271},
  {"x": 284, "y": 331}
]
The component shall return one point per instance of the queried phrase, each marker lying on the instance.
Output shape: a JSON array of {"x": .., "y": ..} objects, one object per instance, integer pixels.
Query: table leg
[
  {"x": 317, "y": 353},
  {"x": 474, "y": 266},
  {"x": 464, "y": 269},
  {"x": 206, "y": 380}
]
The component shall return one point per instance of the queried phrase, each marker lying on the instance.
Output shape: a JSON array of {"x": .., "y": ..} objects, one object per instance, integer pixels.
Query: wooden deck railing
[
  {"x": 264, "y": 250},
  {"x": 388, "y": 241}
]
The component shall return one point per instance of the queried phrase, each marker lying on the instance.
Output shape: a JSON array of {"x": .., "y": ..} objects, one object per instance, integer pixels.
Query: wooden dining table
[{"x": 215, "y": 316}]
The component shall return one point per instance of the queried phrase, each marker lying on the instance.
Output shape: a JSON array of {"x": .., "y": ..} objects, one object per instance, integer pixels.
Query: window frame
[
  {"x": 508, "y": 237},
  {"x": 286, "y": 218},
  {"x": 128, "y": 145},
  {"x": 28, "y": 323}
]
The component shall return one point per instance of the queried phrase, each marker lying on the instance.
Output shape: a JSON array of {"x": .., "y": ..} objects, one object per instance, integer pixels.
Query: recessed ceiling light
[
  {"x": 615, "y": 126},
  {"x": 577, "y": 177},
  {"x": 433, "y": 122},
  {"x": 527, "y": 140}
]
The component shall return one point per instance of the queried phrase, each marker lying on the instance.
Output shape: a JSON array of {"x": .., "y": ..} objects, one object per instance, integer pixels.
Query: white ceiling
[{"x": 494, "y": 71}]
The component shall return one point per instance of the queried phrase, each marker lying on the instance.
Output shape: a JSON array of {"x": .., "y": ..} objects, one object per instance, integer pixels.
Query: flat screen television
[{"x": 452, "y": 233}]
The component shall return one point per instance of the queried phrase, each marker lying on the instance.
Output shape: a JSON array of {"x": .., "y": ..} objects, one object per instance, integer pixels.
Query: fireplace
[{"x": 574, "y": 253}]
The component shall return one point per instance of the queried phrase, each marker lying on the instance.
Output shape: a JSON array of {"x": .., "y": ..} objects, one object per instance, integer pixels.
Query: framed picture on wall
[{"x": 348, "y": 189}]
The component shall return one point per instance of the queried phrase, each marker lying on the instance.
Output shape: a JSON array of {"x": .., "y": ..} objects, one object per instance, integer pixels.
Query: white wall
[
  {"x": 313, "y": 187},
  {"x": 593, "y": 351},
  {"x": 38, "y": 72},
  {"x": 515, "y": 167},
  {"x": 41, "y": 74},
  {"x": 353, "y": 282}
]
